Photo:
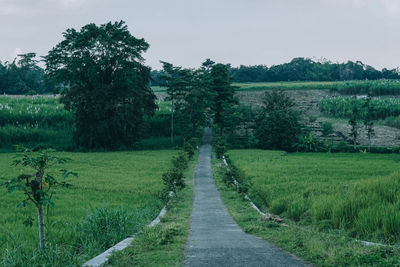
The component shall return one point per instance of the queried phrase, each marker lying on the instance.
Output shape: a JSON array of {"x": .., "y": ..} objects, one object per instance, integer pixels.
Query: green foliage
[
  {"x": 392, "y": 121},
  {"x": 103, "y": 178},
  {"x": 34, "y": 122},
  {"x": 23, "y": 76},
  {"x": 311, "y": 143},
  {"x": 188, "y": 94},
  {"x": 106, "y": 86},
  {"x": 189, "y": 149},
  {"x": 312, "y": 118},
  {"x": 327, "y": 128},
  {"x": 105, "y": 226},
  {"x": 174, "y": 179},
  {"x": 220, "y": 147},
  {"x": 278, "y": 126},
  {"x": 300, "y": 238},
  {"x": 37, "y": 186},
  {"x": 355, "y": 116},
  {"x": 362, "y": 87},
  {"x": 223, "y": 100},
  {"x": 342, "y": 107},
  {"x": 163, "y": 244},
  {"x": 306, "y": 69},
  {"x": 348, "y": 192}
]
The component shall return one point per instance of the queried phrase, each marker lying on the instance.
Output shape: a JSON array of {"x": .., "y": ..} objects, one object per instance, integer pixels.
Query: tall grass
[
  {"x": 35, "y": 121},
  {"x": 42, "y": 121},
  {"x": 376, "y": 88},
  {"x": 341, "y": 107},
  {"x": 115, "y": 194},
  {"x": 356, "y": 193}
]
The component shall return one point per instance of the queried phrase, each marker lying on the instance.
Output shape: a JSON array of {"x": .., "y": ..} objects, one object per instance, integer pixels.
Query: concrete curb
[{"x": 245, "y": 196}]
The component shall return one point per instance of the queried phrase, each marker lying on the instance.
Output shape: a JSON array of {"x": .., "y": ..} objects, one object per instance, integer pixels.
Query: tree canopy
[
  {"x": 105, "y": 83},
  {"x": 23, "y": 76}
]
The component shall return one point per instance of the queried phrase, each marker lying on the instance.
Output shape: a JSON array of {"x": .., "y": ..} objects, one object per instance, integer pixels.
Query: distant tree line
[
  {"x": 304, "y": 69},
  {"x": 23, "y": 76}
]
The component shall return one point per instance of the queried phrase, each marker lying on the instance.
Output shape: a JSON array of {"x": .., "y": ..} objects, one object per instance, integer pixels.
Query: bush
[
  {"x": 311, "y": 143},
  {"x": 189, "y": 149},
  {"x": 327, "y": 128},
  {"x": 173, "y": 180},
  {"x": 180, "y": 161},
  {"x": 220, "y": 147}
]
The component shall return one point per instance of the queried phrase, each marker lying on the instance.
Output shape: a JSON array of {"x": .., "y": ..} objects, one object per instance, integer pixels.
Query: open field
[
  {"x": 357, "y": 194},
  {"x": 320, "y": 248},
  {"x": 378, "y": 87},
  {"x": 115, "y": 195}
]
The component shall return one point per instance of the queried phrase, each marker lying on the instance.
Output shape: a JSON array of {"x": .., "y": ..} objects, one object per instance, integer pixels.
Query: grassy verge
[
  {"x": 323, "y": 247},
  {"x": 115, "y": 195},
  {"x": 163, "y": 245}
]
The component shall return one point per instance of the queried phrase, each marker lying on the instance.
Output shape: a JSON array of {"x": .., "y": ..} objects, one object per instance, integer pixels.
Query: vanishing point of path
[{"x": 215, "y": 239}]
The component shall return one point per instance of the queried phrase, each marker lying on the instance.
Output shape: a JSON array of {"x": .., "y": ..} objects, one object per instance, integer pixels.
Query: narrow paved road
[{"x": 215, "y": 239}]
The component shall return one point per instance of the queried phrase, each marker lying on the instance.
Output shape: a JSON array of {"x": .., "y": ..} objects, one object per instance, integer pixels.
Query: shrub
[
  {"x": 312, "y": 118},
  {"x": 173, "y": 180},
  {"x": 180, "y": 162},
  {"x": 327, "y": 128},
  {"x": 220, "y": 147},
  {"x": 189, "y": 149},
  {"x": 311, "y": 143}
]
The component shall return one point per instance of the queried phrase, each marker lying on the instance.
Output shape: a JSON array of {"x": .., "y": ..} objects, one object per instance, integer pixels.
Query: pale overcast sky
[{"x": 248, "y": 32}]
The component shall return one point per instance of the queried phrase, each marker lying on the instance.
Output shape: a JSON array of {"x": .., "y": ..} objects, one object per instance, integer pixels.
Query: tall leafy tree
[
  {"x": 354, "y": 122},
  {"x": 223, "y": 92},
  {"x": 368, "y": 120},
  {"x": 186, "y": 91},
  {"x": 105, "y": 82},
  {"x": 278, "y": 125}
]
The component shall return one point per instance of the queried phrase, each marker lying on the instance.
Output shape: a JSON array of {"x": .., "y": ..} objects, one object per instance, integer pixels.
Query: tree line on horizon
[
  {"x": 23, "y": 76},
  {"x": 304, "y": 69}
]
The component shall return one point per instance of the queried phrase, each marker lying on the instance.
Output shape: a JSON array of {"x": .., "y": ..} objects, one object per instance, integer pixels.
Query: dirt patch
[{"x": 307, "y": 103}]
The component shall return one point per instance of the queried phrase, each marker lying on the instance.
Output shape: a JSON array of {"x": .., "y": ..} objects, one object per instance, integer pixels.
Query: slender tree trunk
[
  {"x": 42, "y": 239},
  {"x": 355, "y": 143},
  {"x": 172, "y": 122}
]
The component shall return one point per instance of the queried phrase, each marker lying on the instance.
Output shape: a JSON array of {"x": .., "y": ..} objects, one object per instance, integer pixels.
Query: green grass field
[
  {"x": 261, "y": 86},
  {"x": 113, "y": 189},
  {"x": 378, "y": 87},
  {"x": 300, "y": 185},
  {"x": 356, "y": 193}
]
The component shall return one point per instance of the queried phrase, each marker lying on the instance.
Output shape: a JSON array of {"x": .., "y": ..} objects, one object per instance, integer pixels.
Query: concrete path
[{"x": 215, "y": 239}]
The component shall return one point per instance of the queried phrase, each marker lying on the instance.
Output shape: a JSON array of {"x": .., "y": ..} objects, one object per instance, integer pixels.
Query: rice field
[
  {"x": 115, "y": 195},
  {"x": 342, "y": 106},
  {"x": 376, "y": 88},
  {"x": 358, "y": 194}
]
